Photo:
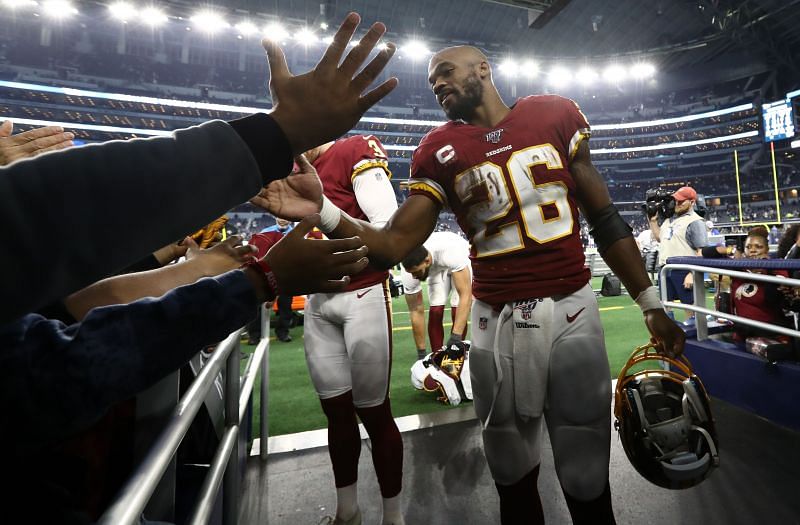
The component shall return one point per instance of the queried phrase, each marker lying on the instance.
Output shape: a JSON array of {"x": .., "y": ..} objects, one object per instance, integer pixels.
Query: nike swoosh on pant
[
  {"x": 571, "y": 318},
  {"x": 360, "y": 295}
]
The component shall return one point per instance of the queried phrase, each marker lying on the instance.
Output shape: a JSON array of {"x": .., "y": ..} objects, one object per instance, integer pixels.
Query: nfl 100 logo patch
[
  {"x": 494, "y": 136},
  {"x": 526, "y": 307}
]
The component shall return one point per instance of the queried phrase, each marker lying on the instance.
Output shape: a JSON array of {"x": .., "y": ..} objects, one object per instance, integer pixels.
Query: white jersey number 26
[{"x": 483, "y": 188}]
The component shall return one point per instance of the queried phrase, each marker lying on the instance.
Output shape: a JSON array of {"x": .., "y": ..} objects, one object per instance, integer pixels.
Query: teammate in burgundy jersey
[
  {"x": 348, "y": 335},
  {"x": 516, "y": 177}
]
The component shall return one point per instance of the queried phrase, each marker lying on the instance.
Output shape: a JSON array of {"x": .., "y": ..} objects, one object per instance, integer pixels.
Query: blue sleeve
[
  {"x": 117, "y": 202},
  {"x": 56, "y": 379},
  {"x": 696, "y": 234}
]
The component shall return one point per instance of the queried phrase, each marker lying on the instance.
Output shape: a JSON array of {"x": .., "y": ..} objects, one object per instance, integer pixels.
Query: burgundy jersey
[
  {"x": 758, "y": 300},
  {"x": 338, "y": 167},
  {"x": 513, "y": 195}
]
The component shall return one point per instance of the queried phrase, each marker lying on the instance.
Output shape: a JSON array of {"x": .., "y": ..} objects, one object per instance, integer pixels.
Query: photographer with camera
[{"x": 680, "y": 232}]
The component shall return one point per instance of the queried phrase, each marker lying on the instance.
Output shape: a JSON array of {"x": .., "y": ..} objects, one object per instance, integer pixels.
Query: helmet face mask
[{"x": 664, "y": 421}]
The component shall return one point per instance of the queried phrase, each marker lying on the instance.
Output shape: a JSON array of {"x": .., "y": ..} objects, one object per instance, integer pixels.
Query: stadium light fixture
[
  {"x": 153, "y": 16},
  {"x": 306, "y": 37},
  {"x": 246, "y": 28},
  {"x": 59, "y": 9},
  {"x": 122, "y": 11},
  {"x": 642, "y": 70},
  {"x": 209, "y": 21},
  {"x": 381, "y": 46},
  {"x": 328, "y": 40},
  {"x": 586, "y": 75},
  {"x": 529, "y": 68},
  {"x": 14, "y": 4},
  {"x": 559, "y": 76},
  {"x": 276, "y": 32},
  {"x": 323, "y": 25},
  {"x": 509, "y": 68},
  {"x": 614, "y": 73},
  {"x": 416, "y": 50}
]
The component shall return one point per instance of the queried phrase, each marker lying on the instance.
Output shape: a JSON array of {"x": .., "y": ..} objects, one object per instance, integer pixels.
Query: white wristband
[
  {"x": 649, "y": 299},
  {"x": 329, "y": 216}
]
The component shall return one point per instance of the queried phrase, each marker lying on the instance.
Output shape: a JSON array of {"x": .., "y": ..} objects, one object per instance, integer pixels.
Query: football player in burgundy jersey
[
  {"x": 348, "y": 335},
  {"x": 516, "y": 178}
]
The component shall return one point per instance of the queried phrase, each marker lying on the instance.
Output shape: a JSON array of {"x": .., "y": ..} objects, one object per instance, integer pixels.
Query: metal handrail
[
  {"x": 224, "y": 468},
  {"x": 699, "y": 297}
]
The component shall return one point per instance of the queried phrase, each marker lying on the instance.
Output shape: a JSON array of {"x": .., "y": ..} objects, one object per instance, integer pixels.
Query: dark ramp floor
[{"x": 446, "y": 481}]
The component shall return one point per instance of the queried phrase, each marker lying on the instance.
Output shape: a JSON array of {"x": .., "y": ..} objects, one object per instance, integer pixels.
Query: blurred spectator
[{"x": 755, "y": 300}]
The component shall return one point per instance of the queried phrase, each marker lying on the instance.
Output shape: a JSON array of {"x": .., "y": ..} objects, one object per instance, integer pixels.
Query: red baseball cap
[{"x": 685, "y": 194}]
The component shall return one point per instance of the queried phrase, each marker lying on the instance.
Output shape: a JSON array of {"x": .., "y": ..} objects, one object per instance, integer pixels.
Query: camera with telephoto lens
[{"x": 659, "y": 202}]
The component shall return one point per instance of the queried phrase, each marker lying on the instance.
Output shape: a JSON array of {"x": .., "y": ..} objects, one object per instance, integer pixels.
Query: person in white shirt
[{"x": 443, "y": 262}]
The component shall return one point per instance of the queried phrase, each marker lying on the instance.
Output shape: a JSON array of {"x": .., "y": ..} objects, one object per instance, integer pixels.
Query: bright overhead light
[
  {"x": 509, "y": 68},
  {"x": 323, "y": 25},
  {"x": 614, "y": 73},
  {"x": 586, "y": 75},
  {"x": 416, "y": 50},
  {"x": 58, "y": 8},
  {"x": 306, "y": 37},
  {"x": 529, "y": 68},
  {"x": 276, "y": 32},
  {"x": 354, "y": 43},
  {"x": 122, "y": 11},
  {"x": 246, "y": 28},
  {"x": 382, "y": 46},
  {"x": 153, "y": 16},
  {"x": 209, "y": 21},
  {"x": 559, "y": 76},
  {"x": 328, "y": 40},
  {"x": 643, "y": 70},
  {"x": 14, "y": 4}
]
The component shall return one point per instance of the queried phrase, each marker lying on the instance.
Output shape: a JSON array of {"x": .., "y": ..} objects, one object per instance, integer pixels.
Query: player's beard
[{"x": 464, "y": 104}]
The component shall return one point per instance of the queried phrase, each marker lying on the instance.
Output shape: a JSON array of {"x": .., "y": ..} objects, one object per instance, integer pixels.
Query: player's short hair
[{"x": 415, "y": 258}]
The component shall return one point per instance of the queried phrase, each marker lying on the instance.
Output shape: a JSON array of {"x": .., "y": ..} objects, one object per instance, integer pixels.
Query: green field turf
[{"x": 294, "y": 406}]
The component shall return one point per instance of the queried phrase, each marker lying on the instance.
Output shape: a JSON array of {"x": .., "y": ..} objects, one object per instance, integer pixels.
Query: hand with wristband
[{"x": 297, "y": 265}]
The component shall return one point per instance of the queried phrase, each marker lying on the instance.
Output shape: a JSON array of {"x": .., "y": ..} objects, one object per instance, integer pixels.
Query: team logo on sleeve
[
  {"x": 483, "y": 322},
  {"x": 494, "y": 136},
  {"x": 446, "y": 154}
]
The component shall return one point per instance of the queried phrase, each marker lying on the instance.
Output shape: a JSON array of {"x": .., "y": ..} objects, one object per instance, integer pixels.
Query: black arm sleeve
[{"x": 63, "y": 211}]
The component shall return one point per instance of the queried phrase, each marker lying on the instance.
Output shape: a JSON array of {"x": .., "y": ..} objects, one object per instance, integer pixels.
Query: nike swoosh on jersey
[
  {"x": 362, "y": 294},
  {"x": 571, "y": 318}
]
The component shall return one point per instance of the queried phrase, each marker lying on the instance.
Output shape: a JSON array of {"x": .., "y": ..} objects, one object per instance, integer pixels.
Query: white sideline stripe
[{"x": 319, "y": 438}]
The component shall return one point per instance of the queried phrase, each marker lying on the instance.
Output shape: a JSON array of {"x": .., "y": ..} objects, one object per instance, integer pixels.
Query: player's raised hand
[
  {"x": 324, "y": 103},
  {"x": 666, "y": 335},
  {"x": 30, "y": 143},
  {"x": 302, "y": 265},
  {"x": 294, "y": 197}
]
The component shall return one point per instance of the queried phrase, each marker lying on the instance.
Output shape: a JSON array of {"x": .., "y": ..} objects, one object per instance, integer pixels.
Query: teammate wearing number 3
[{"x": 516, "y": 177}]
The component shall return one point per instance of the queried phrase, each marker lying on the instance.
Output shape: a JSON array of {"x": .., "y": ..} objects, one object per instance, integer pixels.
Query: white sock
[
  {"x": 347, "y": 501},
  {"x": 392, "y": 514}
]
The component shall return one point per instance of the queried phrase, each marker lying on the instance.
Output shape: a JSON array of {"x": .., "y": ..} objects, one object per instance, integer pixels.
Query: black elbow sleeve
[{"x": 607, "y": 227}]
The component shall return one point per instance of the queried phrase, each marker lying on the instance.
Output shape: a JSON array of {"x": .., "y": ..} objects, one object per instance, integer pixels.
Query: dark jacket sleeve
[
  {"x": 56, "y": 379},
  {"x": 76, "y": 216}
]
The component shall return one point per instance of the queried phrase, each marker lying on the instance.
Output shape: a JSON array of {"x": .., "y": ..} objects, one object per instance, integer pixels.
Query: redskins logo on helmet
[
  {"x": 446, "y": 374},
  {"x": 664, "y": 420}
]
